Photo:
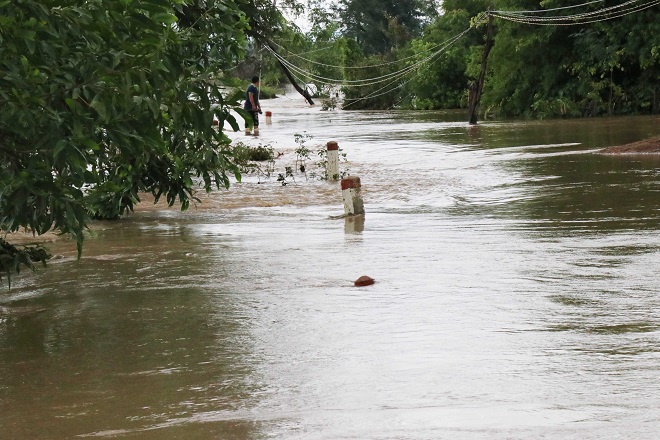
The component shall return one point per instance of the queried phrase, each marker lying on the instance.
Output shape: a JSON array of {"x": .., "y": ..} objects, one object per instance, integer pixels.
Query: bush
[{"x": 245, "y": 156}]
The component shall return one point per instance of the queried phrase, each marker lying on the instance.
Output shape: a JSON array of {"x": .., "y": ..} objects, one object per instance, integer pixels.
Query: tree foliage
[
  {"x": 103, "y": 99},
  {"x": 380, "y": 25},
  {"x": 605, "y": 67},
  {"x": 583, "y": 69},
  {"x": 443, "y": 82},
  {"x": 368, "y": 39}
]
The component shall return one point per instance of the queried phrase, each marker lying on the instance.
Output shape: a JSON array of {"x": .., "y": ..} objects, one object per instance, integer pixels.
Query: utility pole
[{"x": 477, "y": 87}]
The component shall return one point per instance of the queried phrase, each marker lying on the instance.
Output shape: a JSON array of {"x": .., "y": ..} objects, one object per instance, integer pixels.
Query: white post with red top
[
  {"x": 350, "y": 191},
  {"x": 332, "y": 167}
]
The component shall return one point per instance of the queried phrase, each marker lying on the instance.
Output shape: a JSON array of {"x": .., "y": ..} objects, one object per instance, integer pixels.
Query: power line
[
  {"x": 479, "y": 18},
  {"x": 367, "y": 81},
  {"x": 379, "y": 79},
  {"x": 380, "y": 92},
  {"x": 603, "y": 14},
  {"x": 536, "y": 11}
]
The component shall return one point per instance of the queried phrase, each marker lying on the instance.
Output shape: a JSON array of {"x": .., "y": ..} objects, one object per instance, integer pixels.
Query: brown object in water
[{"x": 364, "y": 281}]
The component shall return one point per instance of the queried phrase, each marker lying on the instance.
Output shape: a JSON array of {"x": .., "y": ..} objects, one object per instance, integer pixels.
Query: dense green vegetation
[
  {"x": 606, "y": 66},
  {"x": 103, "y": 99}
]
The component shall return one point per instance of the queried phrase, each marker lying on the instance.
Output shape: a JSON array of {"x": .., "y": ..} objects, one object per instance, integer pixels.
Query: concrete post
[
  {"x": 332, "y": 167},
  {"x": 269, "y": 117},
  {"x": 350, "y": 191},
  {"x": 354, "y": 224}
]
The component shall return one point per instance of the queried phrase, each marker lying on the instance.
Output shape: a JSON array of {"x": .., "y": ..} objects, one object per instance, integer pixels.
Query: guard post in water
[
  {"x": 269, "y": 117},
  {"x": 332, "y": 167},
  {"x": 350, "y": 191}
]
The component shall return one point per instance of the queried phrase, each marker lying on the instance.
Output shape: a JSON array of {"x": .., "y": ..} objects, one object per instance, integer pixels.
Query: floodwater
[{"x": 516, "y": 296}]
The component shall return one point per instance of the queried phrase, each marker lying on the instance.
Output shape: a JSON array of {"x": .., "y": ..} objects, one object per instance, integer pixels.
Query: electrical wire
[
  {"x": 393, "y": 77},
  {"x": 478, "y": 19},
  {"x": 560, "y": 17},
  {"x": 536, "y": 11},
  {"x": 367, "y": 81},
  {"x": 299, "y": 55},
  {"x": 380, "y": 79},
  {"x": 599, "y": 15},
  {"x": 371, "y": 66},
  {"x": 379, "y": 92}
]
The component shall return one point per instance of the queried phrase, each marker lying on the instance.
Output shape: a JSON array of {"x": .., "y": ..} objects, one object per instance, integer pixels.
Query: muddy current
[{"x": 516, "y": 295}]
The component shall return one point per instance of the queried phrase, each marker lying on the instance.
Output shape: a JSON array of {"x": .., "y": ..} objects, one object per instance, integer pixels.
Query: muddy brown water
[{"x": 516, "y": 296}]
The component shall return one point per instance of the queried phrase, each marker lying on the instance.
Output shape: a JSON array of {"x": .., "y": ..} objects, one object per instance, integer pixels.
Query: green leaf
[
  {"x": 100, "y": 107},
  {"x": 245, "y": 115},
  {"x": 154, "y": 107},
  {"x": 166, "y": 18},
  {"x": 60, "y": 146},
  {"x": 232, "y": 122}
]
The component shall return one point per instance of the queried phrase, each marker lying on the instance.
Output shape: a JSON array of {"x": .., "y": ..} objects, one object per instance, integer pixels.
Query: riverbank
[{"x": 646, "y": 146}]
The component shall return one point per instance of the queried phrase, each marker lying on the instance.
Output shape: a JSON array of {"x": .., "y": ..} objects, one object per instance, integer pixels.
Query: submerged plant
[
  {"x": 249, "y": 158},
  {"x": 329, "y": 104},
  {"x": 288, "y": 173},
  {"x": 12, "y": 258},
  {"x": 259, "y": 159},
  {"x": 302, "y": 152}
]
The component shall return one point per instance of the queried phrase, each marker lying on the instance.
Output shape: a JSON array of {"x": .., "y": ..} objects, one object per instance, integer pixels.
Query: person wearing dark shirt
[{"x": 252, "y": 105}]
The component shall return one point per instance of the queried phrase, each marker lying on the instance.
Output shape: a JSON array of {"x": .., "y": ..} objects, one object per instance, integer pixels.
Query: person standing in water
[{"x": 252, "y": 105}]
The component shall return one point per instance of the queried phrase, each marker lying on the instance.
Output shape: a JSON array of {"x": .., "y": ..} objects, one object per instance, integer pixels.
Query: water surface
[{"x": 516, "y": 295}]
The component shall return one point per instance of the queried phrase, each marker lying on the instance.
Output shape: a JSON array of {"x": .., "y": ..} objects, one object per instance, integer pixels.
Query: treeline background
[{"x": 607, "y": 67}]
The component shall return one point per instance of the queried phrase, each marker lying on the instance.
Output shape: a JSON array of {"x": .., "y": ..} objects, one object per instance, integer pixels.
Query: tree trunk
[
  {"x": 289, "y": 75},
  {"x": 477, "y": 87}
]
